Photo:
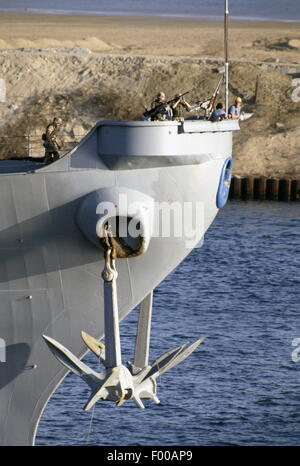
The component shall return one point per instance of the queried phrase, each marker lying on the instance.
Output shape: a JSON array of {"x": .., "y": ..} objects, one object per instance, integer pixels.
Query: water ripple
[{"x": 241, "y": 386}]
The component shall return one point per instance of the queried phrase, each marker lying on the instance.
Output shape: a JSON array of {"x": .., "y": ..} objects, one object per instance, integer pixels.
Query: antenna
[{"x": 226, "y": 14}]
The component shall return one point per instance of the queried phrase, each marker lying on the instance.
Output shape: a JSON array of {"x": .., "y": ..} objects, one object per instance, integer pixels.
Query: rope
[
  {"x": 90, "y": 426},
  {"x": 92, "y": 415}
]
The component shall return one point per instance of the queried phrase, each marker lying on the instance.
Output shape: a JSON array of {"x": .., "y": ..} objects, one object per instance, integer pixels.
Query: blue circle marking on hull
[{"x": 224, "y": 183}]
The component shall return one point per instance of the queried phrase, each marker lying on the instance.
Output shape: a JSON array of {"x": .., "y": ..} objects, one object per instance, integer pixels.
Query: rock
[{"x": 295, "y": 43}]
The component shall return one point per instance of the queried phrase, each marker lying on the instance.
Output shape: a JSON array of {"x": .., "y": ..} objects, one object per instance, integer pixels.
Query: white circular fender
[{"x": 129, "y": 214}]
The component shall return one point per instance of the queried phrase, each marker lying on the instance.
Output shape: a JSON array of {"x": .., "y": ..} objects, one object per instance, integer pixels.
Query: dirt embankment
[{"x": 84, "y": 87}]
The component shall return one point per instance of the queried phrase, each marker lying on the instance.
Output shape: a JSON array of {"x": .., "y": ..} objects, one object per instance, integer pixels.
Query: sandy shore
[
  {"x": 49, "y": 67},
  {"x": 150, "y": 36}
]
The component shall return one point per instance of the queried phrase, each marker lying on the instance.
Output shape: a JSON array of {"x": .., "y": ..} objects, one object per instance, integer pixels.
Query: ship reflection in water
[{"x": 241, "y": 387}]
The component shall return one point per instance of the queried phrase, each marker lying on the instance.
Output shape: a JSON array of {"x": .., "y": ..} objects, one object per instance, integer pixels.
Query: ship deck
[{"x": 133, "y": 140}]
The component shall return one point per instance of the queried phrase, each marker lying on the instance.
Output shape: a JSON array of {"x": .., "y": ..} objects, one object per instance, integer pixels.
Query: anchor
[{"x": 118, "y": 383}]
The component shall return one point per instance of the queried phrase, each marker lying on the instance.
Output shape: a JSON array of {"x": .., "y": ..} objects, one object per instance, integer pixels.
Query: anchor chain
[{"x": 109, "y": 272}]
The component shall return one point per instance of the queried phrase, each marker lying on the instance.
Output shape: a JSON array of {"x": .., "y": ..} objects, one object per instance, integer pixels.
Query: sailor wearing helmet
[
  {"x": 160, "y": 109},
  {"x": 234, "y": 110},
  {"x": 179, "y": 107},
  {"x": 50, "y": 143}
]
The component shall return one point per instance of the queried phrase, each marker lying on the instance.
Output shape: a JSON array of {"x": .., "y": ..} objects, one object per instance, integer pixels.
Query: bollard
[
  {"x": 272, "y": 189},
  {"x": 259, "y": 189},
  {"x": 284, "y": 190},
  {"x": 247, "y": 188},
  {"x": 235, "y": 188},
  {"x": 295, "y": 190},
  {"x": 262, "y": 189}
]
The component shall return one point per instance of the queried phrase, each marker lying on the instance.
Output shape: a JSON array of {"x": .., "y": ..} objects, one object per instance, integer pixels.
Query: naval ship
[
  {"x": 72, "y": 266},
  {"x": 52, "y": 256}
]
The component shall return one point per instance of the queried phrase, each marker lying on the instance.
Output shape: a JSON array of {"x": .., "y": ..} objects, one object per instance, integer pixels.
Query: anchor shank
[
  {"x": 112, "y": 331},
  {"x": 141, "y": 357}
]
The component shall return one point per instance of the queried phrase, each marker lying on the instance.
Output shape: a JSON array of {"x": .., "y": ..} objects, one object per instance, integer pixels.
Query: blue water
[
  {"x": 280, "y": 10},
  {"x": 241, "y": 387}
]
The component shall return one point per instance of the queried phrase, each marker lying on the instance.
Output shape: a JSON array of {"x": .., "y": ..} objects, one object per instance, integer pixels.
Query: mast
[{"x": 226, "y": 14}]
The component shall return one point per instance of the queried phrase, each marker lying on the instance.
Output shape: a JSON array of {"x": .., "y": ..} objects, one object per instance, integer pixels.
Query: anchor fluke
[
  {"x": 71, "y": 362},
  {"x": 173, "y": 357},
  {"x": 145, "y": 386},
  {"x": 94, "y": 345}
]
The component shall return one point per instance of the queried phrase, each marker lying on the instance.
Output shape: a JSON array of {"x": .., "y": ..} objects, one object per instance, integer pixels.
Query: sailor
[
  {"x": 50, "y": 141},
  {"x": 160, "y": 109},
  {"x": 179, "y": 106},
  {"x": 218, "y": 114},
  {"x": 234, "y": 110}
]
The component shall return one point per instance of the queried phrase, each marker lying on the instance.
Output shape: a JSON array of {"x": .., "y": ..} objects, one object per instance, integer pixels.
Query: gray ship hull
[{"x": 50, "y": 273}]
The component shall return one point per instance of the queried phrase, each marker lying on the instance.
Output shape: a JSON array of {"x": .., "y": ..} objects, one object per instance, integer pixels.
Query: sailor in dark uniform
[
  {"x": 50, "y": 141},
  {"x": 218, "y": 114}
]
